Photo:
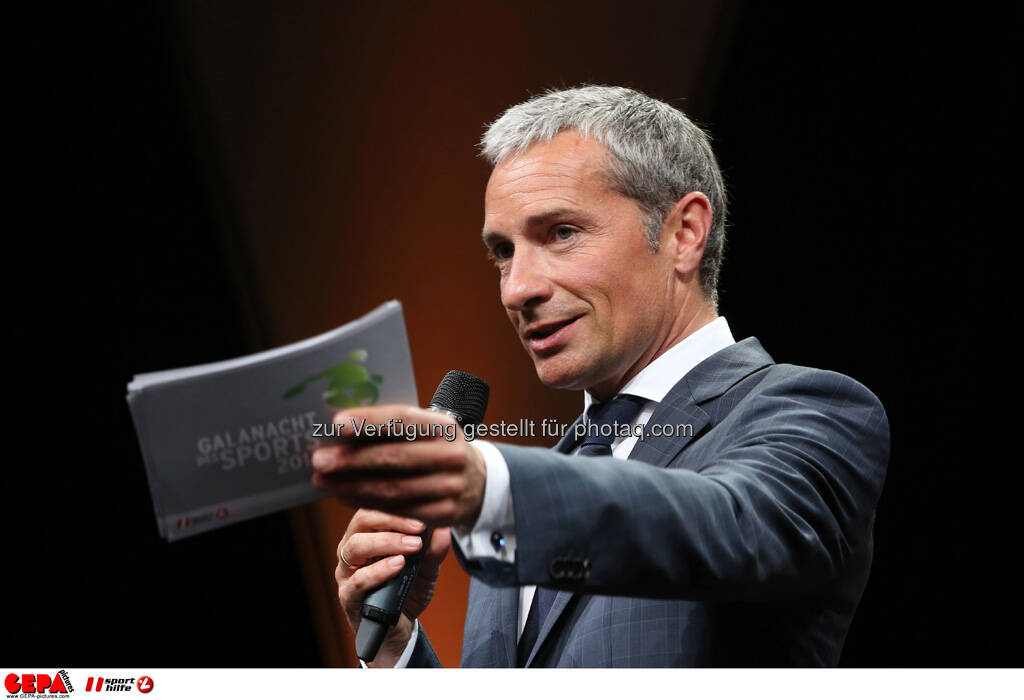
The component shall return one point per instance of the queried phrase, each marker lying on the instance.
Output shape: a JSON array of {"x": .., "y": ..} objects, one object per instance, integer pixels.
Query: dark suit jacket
[{"x": 745, "y": 543}]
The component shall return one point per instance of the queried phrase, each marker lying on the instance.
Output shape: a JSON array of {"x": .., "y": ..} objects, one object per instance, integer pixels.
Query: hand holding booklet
[{"x": 232, "y": 440}]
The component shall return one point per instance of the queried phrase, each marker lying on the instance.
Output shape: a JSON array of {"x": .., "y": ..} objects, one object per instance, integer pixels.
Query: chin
[{"x": 557, "y": 373}]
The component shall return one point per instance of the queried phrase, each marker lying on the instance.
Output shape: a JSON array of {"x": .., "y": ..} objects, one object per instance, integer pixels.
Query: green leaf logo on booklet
[{"x": 350, "y": 384}]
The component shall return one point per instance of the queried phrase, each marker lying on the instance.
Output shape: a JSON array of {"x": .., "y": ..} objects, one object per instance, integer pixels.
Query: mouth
[{"x": 544, "y": 337}]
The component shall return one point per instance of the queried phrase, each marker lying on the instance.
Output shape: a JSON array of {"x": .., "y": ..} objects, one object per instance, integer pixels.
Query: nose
[{"x": 526, "y": 282}]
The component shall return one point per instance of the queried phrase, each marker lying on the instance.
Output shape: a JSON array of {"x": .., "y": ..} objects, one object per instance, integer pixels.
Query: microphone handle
[{"x": 384, "y": 604}]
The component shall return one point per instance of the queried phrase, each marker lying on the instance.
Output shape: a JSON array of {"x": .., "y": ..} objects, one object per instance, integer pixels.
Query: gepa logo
[{"x": 38, "y": 683}]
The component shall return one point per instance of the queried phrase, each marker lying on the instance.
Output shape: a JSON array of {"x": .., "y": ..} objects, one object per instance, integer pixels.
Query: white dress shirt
[{"x": 496, "y": 515}]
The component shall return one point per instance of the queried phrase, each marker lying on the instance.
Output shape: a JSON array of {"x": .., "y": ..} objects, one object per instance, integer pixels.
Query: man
[{"x": 729, "y": 525}]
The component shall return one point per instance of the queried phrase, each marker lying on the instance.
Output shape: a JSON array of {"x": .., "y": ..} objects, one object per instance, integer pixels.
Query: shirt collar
[{"x": 656, "y": 379}]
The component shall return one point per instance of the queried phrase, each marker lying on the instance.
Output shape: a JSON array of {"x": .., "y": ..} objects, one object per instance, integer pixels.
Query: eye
[
  {"x": 502, "y": 251},
  {"x": 564, "y": 233}
]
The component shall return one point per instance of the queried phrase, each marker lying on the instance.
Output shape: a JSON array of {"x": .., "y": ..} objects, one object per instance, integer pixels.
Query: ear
[{"x": 685, "y": 231}]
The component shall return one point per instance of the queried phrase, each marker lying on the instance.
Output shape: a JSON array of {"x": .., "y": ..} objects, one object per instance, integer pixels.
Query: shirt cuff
[
  {"x": 403, "y": 660},
  {"x": 493, "y": 535}
]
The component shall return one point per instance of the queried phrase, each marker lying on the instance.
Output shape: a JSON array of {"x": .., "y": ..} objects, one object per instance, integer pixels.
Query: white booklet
[{"x": 232, "y": 440}]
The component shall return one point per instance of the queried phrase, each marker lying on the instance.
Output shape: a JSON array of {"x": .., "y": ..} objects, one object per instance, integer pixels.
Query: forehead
[{"x": 569, "y": 171}]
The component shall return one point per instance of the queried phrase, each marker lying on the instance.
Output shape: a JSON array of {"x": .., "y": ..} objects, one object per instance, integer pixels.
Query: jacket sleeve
[
  {"x": 780, "y": 497},
  {"x": 423, "y": 655}
]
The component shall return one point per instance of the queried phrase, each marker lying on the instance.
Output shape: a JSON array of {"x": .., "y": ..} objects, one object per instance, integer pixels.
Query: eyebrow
[{"x": 537, "y": 219}]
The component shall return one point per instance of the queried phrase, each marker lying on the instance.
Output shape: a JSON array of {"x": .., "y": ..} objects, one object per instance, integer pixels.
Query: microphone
[{"x": 462, "y": 396}]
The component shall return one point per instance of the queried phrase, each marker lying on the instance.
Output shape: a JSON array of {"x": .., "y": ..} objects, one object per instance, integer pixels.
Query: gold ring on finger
[{"x": 341, "y": 555}]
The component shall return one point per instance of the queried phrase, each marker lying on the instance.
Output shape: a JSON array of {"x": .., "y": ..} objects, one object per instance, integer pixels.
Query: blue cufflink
[{"x": 497, "y": 541}]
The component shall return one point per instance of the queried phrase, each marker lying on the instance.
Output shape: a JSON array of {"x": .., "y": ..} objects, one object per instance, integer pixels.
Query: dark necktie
[{"x": 601, "y": 422}]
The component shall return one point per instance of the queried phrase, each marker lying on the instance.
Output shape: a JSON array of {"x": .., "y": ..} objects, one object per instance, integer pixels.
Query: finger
[
  {"x": 353, "y": 589},
  {"x": 365, "y": 547},
  {"x": 440, "y": 543},
  {"x": 389, "y": 422},
  {"x": 369, "y": 520},
  {"x": 392, "y": 493},
  {"x": 433, "y": 455}
]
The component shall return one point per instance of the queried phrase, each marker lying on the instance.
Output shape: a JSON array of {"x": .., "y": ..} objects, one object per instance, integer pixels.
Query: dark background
[{"x": 870, "y": 162}]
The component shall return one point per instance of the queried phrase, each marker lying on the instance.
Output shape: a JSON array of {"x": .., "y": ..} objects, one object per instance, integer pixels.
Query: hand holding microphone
[
  {"x": 435, "y": 479},
  {"x": 376, "y": 548}
]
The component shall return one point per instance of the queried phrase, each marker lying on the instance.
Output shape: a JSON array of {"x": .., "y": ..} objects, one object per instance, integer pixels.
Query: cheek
[
  {"x": 513, "y": 319},
  {"x": 633, "y": 308}
]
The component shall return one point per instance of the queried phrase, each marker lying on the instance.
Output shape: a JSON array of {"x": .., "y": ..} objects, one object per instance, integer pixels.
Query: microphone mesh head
[{"x": 464, "y": 394}]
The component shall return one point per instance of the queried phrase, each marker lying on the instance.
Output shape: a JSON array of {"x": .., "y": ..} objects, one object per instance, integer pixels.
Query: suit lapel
[
  {"x": 686, "y": 419},
  {"x": 507, "y": 603},
  {"x": 561, "y": 601},
  {"x": 681, "y": 407},
  {"x": 565, "y": 445},
  {"x": 720, "y": 372}
]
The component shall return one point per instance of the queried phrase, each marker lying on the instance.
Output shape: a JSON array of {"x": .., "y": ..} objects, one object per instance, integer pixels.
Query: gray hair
[{"x": 657, "y": 154}]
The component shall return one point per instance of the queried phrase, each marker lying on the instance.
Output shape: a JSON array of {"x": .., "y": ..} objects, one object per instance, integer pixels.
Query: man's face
[{"x": 587, "y": 296}]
